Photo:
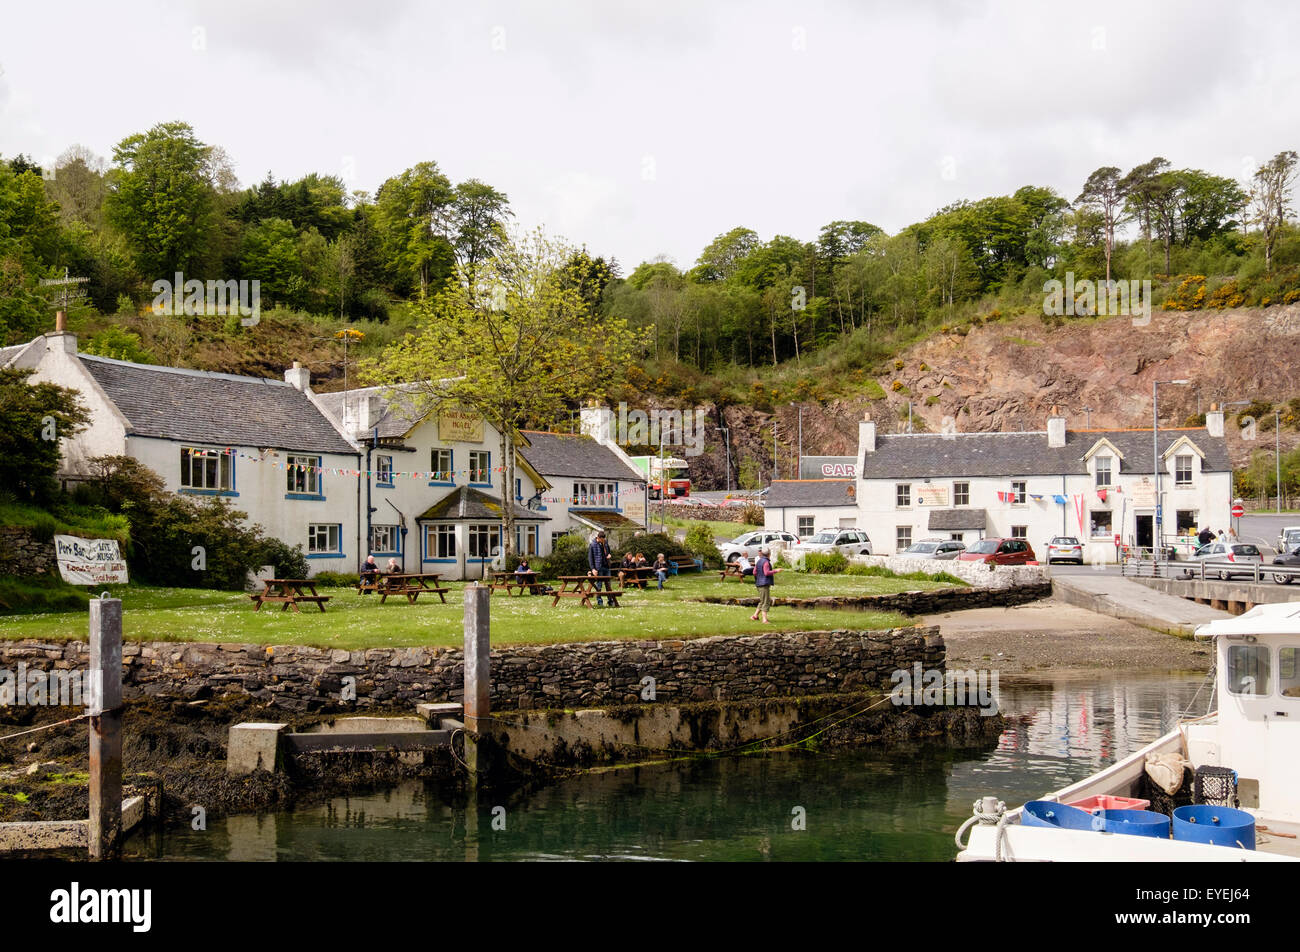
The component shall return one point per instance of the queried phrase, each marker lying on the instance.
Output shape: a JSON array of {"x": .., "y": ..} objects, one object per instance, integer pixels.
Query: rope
[
  {"x": 998, "y": 816},
  {"x": 45, "y": 727}
]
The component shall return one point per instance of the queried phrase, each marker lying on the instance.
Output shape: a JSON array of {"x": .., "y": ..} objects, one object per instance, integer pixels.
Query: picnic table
[
  {"x": 584, "y": 587},
  {"x": 412, "y": 586},
  {"x": 288, "y": 592},
  {"x": 637, "y": 575},
  {"x": 733, "y": 570},
  {"x": 524, "y": 581}
]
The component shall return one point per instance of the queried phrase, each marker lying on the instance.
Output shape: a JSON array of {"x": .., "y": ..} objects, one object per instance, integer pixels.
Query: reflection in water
[{"x": 897, "y": 804}]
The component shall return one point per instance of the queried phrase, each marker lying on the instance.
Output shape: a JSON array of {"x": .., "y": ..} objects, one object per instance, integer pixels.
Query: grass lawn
[
  {"x": 355, "y": 621},
  {"x": 726, "y": 531}
]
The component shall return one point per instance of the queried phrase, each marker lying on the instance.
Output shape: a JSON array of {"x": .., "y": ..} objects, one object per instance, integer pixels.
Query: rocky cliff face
[{"x": 1008, "y": 375}]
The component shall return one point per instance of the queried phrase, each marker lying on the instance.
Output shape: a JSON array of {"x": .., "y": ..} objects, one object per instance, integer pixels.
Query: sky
[{"x": 642, "y": 130}]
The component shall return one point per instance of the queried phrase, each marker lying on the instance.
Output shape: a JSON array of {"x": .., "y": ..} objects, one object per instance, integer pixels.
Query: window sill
[
  {"x": 207, "y": 492},
  {"x": 444, "y": 561},
  {"x": 310, "y": 497},
  {"x": 326, "y": 555},
  {"x": 480, "y": 485},
  {"x": 443, "y": 484},
  {"x": 383, "y": 485}
]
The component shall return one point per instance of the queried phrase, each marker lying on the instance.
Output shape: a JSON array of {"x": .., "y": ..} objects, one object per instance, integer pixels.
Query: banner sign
[
  {"x": 89, "y": 561},
  {"x": 634, "y": 509},
  {"x": 460, "y": 426},
  {"x": 932, "y": 496},
  {"x": 1143, "y": 493}
]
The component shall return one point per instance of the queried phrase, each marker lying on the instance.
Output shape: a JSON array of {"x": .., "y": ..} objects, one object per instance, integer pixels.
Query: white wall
[{"x": 824, "y": 517}]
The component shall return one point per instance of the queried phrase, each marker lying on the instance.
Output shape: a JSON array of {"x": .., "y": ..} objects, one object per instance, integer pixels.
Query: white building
[
  {"x": 1096, "y": 485},
  {"x": 805, "y": 506}
]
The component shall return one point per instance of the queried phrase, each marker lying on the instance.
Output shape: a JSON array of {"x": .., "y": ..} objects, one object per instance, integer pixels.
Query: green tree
[
  {"x": 270, "y": 254},
  {"x": 521, "y": 349},
  {"x": 37, "y": 418},
  {"x": 160, "y": 196},
  {"x": 719, "y": 261},
  {"x": 1271, "y": 198},
  {"x": 474, "y": 224},
  {"x": 1104, "y": 193},
  {"x": 408, "y": 209}
]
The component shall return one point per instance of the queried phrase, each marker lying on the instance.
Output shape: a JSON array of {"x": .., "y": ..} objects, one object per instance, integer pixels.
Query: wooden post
[
  {"x": 105, "y": 728},
  {"x": 478, "y": 676}
]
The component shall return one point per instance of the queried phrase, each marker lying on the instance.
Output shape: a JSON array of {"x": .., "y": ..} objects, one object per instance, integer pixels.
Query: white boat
[{"x": 1255, "y": 732}]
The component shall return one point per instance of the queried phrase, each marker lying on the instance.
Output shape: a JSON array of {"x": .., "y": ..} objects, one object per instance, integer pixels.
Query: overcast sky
[{"x": 647, "y": 129}]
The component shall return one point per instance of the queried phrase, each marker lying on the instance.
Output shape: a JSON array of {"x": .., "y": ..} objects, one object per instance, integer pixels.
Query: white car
[
  {"x": 1288, "y": 539},
  {"x": 749, "y": 543},
  {"x": 1240, "y": 552},
  {"x": 850, "y": 542},
  {"x": 942, "y": 549}
]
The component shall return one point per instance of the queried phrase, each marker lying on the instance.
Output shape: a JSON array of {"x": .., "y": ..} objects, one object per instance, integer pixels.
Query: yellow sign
[
  {"x": 932, "y": 496},
  {"x": 460, "y": 426},
  {"x": 634, "y": 509}
]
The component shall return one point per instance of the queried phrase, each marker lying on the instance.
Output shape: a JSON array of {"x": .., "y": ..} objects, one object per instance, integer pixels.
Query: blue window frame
[
  {"x": 480, "y": 468},
  {"x": 442, "y": 467},
  {"x": 304, "y": 478},
  {"x": 325, "y": 540},
  {"x": 384, "y": 472},
  {"x": 207, "y": 472}
]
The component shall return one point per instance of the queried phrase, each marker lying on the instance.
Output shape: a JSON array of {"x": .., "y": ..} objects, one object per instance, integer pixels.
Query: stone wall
[
  {"x": 976, "y": 573},
  {"x": 23, "y": 554},
  {"x": 693, "y": 510},
  {"x": 907, "y": 603},
  {"x": 590, "y": 674}
]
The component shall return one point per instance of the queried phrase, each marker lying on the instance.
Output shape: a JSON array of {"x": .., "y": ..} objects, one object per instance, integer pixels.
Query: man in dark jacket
[
  {"x": 598, "y": 562},
  {"x": 1206, "y": 536}
]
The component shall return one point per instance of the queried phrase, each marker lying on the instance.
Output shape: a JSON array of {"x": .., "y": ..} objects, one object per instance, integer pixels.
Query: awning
[
  {"x": 956, "y": 520},
  {"x": 469, "y": 505},
  {"x": 605, "y": 519}
]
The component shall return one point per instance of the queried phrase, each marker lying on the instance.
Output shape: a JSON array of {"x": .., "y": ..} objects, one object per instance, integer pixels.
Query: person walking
[
  {"x": 598, "y": 562},
  {"x": 764, "y": 579}
]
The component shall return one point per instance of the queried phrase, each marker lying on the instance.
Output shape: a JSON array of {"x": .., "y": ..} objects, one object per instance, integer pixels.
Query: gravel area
[{"x": 1051, "y": 636}]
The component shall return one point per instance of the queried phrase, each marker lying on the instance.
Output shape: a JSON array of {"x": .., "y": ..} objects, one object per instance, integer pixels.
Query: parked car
[
  {"x": 1243, "y": 552},
  {"x": 944, "y": 549},
  {"x": 999, "y": 552},
  {"x": 1288, "y": 539},
  {"x": 846, "y": 541},
  {"x": 1064, "y": 549},
  {"x": 1291, "y": 560},
  {"x": 749, "y": 543}
]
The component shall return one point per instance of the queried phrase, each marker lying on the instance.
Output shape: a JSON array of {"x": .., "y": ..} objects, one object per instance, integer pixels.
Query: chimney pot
[{"x": 60, "y": 322}]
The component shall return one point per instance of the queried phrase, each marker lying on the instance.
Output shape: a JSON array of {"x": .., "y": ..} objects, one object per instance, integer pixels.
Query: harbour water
[{"x": 877, "y": 804}]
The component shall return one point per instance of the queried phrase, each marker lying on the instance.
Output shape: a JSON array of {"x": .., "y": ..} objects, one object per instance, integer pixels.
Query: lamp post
[
  {"x": 1277, "y": 454},
  {"x": 726, "y": 442},
  {"x": 1157, "y": 520}
]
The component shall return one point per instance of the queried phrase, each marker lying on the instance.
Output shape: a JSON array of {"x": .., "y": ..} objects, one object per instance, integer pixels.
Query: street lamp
[
  {"x": 1158, "y": 522},
  {"x": 1277, "y": 453},
  {"x": 726, "y": 442},
  {"x": 1087, "y": 410}
]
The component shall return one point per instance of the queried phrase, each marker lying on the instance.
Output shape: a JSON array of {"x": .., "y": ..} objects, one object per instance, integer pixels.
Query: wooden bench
[
  {"x": 411, "y": 587},
  {"x": 509, "y": 581},
  {"x": 733, "y": 570},
  {"x": 288, "y": 592},
  {"x": 685, "y": 563},
  {"x": 637, "y": 576},
  {"x": 584, "y": 587}
]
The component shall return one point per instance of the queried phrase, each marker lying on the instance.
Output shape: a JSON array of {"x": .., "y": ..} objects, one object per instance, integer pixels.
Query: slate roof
[
  {"x": 9, "y": 353},
  {"x": 811, "y": 493},
  {"x": 918, "y": 455},
  {"x": 200, "y": 407},
  {"x": 605, "y": 519},
  {"x": 465, "y": 503},
  {"x": 396, "y": 411},
  {"x": 574, "y": 454},
  {"x": 958, "y": 519}
]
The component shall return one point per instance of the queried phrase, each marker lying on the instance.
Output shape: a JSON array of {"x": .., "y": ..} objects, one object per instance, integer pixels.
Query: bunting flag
[
  {"x": 1036, "y": 497},
  {"x": 1080, "y": 504},
  {"x": 479, "y": 475},
  {"x": 1058, "y": 499},
  {"x": 1101, "y": 494}
]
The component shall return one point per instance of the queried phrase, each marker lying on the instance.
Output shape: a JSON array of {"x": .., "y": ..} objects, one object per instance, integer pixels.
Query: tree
[
  {"x": 1271, "y": 198},
  {"x": 408, "y": 209},
  {"x": 521, "y": 349},
  {"x": 160, "y": 197},
  {"x": 270, "y": 254},
  {"x": 840, "y": 240},
  {"x": 719, "y": 261},
  {"x": 474, "y": 224},
  {"x": 1141, "y": 187},
  {"x": 37, "y": 418},
  {"x": 1104, "y": 192}
]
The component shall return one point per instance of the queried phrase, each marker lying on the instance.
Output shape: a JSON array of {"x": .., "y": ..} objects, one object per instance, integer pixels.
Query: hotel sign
[
  {"x": 460, "y": 426},
  {"x": 634, "y": 509},
  {"x": 932, "y": 496}
]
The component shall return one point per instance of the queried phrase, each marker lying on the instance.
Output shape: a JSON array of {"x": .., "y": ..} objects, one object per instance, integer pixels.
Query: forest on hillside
[{"x": 166, "y": 202}]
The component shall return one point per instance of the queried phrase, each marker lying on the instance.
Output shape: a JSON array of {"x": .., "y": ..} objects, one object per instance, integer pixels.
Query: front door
[{"x": 1144, "y": 535}]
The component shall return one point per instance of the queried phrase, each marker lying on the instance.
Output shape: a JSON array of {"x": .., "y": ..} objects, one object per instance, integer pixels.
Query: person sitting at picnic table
[
  {"x": 368, "y": 572},
  {"x": 640, "y": 559},
  {"x": 746, "y": 568},
  {"x": 662, "y": 568},
  {"x": 629, "y": 562},
  {"x": 522, "y": 568},
  {"x": 393, "y": 568}
]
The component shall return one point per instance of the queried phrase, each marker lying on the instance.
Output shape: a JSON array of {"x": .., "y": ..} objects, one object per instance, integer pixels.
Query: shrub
[
  {"x": 328, "y": 579},
  {"x": 568, "y": 557},
  {"x": 898, "y": 365},
  {"x": 291, "y": 562},
  {"x": 829, "y": 563},
  {"x": 1189, "y": 295},
  {"x": 753, "y": 514},
  {"x": 874, "y": 571},
  {"x": 652, "y": 543},
  {"x": 699, "y": 540}
]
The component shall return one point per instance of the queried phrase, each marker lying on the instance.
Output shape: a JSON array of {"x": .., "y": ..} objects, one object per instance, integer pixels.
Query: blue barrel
[
  {"x": 1060, "y": 816},
  {"x": 1137, "y": 823},
  {"x": 1219, "y": 826}
]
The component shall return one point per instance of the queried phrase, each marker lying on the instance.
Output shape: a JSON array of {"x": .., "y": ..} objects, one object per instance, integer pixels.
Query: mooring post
[
  {"x": 105, "y": 728},
  {"x": 478, "y": 676}
]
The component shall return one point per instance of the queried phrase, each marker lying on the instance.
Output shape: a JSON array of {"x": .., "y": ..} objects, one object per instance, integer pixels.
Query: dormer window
[
  {"x": 1103, "y": 470},
  {"x": 1183, "y": 469}
]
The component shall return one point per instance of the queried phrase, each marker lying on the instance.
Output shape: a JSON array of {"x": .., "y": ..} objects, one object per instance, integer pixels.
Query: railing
[{"x": 1206, "y": 569}]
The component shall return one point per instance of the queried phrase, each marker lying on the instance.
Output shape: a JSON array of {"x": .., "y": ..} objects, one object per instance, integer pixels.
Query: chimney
[
  {"x": 1056, "y": 429},
  {"x": 1214, "y": 421},
  {"x": 359, "y": 415},
  {"x": 597, "y": 422},
  {"x": 60, "y": 339},
  {"x": 298, "y": 377},
  {"x": 866, "y": 435},
  {"x": 60, "y": 322}
]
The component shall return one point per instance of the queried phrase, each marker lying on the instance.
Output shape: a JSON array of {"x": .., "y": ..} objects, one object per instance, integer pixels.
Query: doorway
[{"x": 1144, "y": 535}]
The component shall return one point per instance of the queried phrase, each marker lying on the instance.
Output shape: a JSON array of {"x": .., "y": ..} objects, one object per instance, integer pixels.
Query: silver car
[
  {"x": 847, "y": 541},
  {"x": 749, "y": 543},
  {"x": 942, "y": 549},
  {"x": 1064, "y": 549},
  {"x": 1236, "y": 552}
]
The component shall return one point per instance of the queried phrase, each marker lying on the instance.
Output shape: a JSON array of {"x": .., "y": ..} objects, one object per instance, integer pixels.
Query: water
[{"x": 899, "y": 804}]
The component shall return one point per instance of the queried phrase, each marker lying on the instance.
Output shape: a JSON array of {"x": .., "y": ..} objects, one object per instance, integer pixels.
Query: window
[
  {"x": 1183, "y": 469},
  {"x": 595, "y": 494},
  {"x": 1019, "y": 532},
  {"x": 961, "y": 494},
  {"x": 440, "y": 542},
  {"x": 519, "y": 488},
  {"x": 323, "y": 537},
  {"x": 1288, "y": 678},
  {"x": 1099, "y": 523},
  {"x": 206, "y": 470},
  {"x": 303, "y": 474},
  {"x": 807, "y": 525},
  {"x": 484, "y": 539},
  {"x": 440, "y": 466},
  {"x": 1186, "y": 521},
  {"x": 384, "y": 470},
  {"x": 955, "y": 536},
  {"x": 1018, "y": 492},
  {"x": 1103, "y": 470},
  {"x": 383, "y": 539},
  {"x": 903, "y": 495},
  {"x": 526, "y": 540},
  {"x": 1248, "y": 671},
  {"x": 480, "y": 466},
  {"x": 903, "y": 537}
]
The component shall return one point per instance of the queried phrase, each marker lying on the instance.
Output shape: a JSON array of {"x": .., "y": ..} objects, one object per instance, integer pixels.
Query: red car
[{"x": 999, "y": 552}]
